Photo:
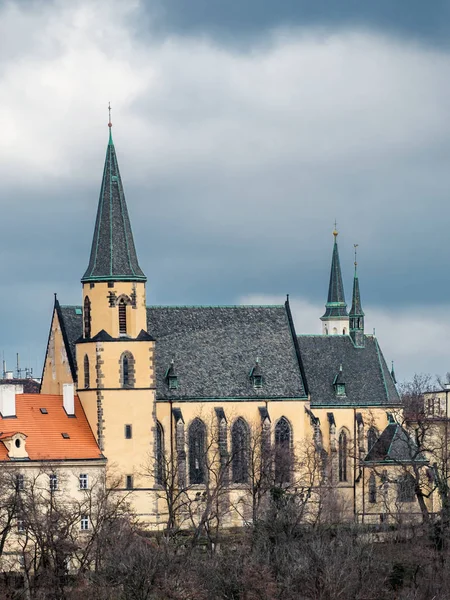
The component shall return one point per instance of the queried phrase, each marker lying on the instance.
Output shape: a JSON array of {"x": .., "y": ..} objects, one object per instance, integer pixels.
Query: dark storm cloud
[
  {"x": 235, "y": 164},
  {"x": 233, "y": 20}
]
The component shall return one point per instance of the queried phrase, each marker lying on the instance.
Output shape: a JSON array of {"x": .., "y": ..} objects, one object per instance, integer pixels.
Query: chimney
[
  {"x": 9, "y": 375},
  {"x": 8, "y": 400},
  {"x": 68, "y": 399}
]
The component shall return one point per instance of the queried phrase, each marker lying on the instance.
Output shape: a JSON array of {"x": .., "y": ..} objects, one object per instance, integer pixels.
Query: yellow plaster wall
[
  {"x": 56, "y": 367},
  {"x": 105, "y": 317}
]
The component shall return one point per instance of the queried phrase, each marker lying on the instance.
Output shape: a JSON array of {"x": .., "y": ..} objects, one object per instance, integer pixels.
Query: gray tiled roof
[
  {"x": 367, "y": 378},
  {"x": 215, "y": 348},
  {"x": 394, "y": 445},
  {"x": 113, "y": 254},
  {"x": 71, "y": 321}
]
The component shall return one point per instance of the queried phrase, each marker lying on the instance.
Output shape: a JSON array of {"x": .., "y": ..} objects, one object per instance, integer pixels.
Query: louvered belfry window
[{"x": 122, "y": 317}]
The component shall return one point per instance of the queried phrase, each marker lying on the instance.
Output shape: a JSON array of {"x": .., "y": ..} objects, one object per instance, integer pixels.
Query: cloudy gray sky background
[{"x": 243, "y": 129}]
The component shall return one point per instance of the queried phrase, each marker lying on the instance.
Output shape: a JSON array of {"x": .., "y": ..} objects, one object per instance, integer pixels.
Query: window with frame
[
  {"x": 159, "y": 454},
  {"x": 257, "y": 381},
  {"x": 340, "y": 389},
  {"x": 53, "y": 482},
  {"x": 406, "y": 488},
  {"x": 87, "y": 317},
  {"x": 283, "y": 451},
  {"x": 127, "y": 369},
  {"x": 197, "y": 452},
  {"x": 343, "y": 456},
  {"x": 122, "y": 317},
  {"x": 84, "y": 523},
  {"x": 372, "y": 489},
  {"x": 129, "y": 482},
  {"x": 128, "y": 432},
  {"x": 87, "y": 375},
  {"x": 20, "y": 482},
  {"x": 20, "y": 525},
  {"x": 240, "y": 451},
  {"x": 173, "y": 382},
  {"x": 84, "y": 481}
]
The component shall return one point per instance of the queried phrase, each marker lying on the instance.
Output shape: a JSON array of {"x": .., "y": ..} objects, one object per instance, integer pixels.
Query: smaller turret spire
[{"x": 356, "y": 314}]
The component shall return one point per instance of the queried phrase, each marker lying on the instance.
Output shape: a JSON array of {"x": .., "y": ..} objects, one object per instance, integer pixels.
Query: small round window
[{"x": 17, "y": 443}]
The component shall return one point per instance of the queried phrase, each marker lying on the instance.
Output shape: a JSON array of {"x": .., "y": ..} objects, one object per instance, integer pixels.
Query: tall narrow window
[
  {"x": 87, "y": 317},
  {"x": 127, "y": 372},
  {"x": 87, "y": 377},
  {"x": 159, "y": 454},
  {"x": 406, "y": 488},
  {"x": 197, "y": 450},
  {"x": 122, "y": 317},
  {"x": 283, "y": 458},
  {"x": 372, "y": 436},
  {"x": 372, "y": 489},
  {"x": 239, "y": 448},
  {"x": 343, "y": 449}
]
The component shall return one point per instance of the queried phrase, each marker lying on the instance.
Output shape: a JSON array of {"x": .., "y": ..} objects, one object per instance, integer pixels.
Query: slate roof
[
  {"x": 113, "y": 254},
  {"x": 215, "y": 348},
  {"x": 394, "y": 445},
  {"x": 44, "y": 431},
  {"x": 71, "y": 321},
  {"x": 367, "y": 378},
  {"x": 335, "y": 306}
]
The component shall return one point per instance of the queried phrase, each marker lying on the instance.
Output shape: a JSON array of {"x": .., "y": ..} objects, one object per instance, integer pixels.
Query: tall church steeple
[
  {"x": 113, "y": 254},
  {"x": 335, "y": 319},
  {"x": 113, "y": 284},
  {"x": 356, "y": 313}
]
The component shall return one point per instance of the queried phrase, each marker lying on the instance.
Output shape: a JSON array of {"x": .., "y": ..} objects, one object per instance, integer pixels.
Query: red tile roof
[{"x": 44, "y": 431}]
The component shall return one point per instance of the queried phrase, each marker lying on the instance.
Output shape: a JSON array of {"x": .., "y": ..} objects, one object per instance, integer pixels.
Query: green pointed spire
[
  {"x": 335, "y": 306},
  {"x": 356, "y": 312},
  {"x": 113, "y": 254}
]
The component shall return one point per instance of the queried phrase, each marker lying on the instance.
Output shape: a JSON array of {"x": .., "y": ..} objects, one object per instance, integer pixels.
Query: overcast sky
[{"x": 243, "y": 129}]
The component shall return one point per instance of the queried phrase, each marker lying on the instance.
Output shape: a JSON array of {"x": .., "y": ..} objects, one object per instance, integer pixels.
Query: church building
[{"x": 155, "y": 381}]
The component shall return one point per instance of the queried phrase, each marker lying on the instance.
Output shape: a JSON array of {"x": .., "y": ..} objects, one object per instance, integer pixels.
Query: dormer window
[
  {"x": 339, "y": 383},
  {"x": 340, "y": 389},
  {"x": 256, "y": 376},
  {"x": 171, "y": 377}
]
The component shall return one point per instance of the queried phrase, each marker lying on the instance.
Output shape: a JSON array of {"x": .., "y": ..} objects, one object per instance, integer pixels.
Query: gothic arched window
[
  {"x": 372, "y": 489},
  {"x": 159, "y": 454},
  {"x": 87, "y": 317},
  {"x": 127, "y": 370},
  {"x": 122, "y": 316},
  {"x": 87, "y": 376},
  {"x": 197, "y": 452},
  {"x": 283, "y": 456},
  {"x": 239, "y": 448},
  {"x": 372, "y": 436},
  {"x": 343, "y": 455}
]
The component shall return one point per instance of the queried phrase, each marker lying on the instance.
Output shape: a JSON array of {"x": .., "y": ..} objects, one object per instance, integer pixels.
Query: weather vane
[{"x": 109, "y": 111}]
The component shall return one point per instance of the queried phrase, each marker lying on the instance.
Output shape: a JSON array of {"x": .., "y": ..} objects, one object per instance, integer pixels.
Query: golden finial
[
  {"x": 109, "y": 111},
  {"x": 335, "y": 232},
  {"x": 355, "y": 246}
]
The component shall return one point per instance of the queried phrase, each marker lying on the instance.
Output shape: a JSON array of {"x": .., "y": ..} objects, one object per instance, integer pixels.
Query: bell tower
[{"x": 115, "y": 352}]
